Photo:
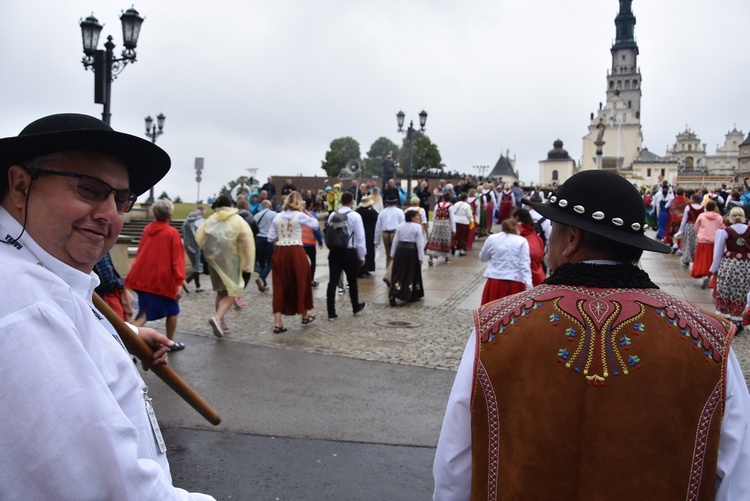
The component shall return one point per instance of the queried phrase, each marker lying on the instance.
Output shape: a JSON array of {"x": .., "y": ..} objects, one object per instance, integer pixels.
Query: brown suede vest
[{"x": 591, "y": 393}]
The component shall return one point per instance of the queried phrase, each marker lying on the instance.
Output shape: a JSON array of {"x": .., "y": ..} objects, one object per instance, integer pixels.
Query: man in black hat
[
  {"x": 77, "y": 420},
  {"x": 388, "y": 221},
  {"x": 596, "y": 381}
]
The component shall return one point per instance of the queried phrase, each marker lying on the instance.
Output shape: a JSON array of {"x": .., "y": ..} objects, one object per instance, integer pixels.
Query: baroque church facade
[{"x": 615, "y": 140}]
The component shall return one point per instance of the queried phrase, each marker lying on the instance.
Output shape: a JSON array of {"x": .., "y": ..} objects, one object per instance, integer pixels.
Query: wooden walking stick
[{"x": 143, "y": 351}]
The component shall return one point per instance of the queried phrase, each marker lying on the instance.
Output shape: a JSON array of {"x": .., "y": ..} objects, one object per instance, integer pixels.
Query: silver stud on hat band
[{"x": 598, "y": 215}]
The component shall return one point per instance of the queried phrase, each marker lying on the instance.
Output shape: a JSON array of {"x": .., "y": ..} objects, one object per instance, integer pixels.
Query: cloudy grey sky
[{"x": 268, "y": 84}]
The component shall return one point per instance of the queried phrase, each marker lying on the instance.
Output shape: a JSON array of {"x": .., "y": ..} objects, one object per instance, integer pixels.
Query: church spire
[{"x": 625, "y": 23}]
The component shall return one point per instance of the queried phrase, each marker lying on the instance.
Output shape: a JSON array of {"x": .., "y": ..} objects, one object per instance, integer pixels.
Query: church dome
[{"x": 557, "y": 152}]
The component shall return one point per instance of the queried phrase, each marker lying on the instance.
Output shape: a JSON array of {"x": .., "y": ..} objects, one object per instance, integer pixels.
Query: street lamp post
[
  {"x": 154, "y": 130},
  {"x": 481, "y": 169},
  {"x": 103, "y": 63},
  {"x": 410, "y": 136}
]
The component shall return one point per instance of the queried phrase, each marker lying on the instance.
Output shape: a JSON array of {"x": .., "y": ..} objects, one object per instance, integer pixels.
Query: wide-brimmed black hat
[
  {"x": 391, "y": 201},
  {"x": 603, "y": 203},
  {"x": 147, "y": 163}
]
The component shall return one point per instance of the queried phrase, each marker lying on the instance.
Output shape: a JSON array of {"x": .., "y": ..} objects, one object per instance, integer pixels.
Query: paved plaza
[{"x": 349, "y": 409}]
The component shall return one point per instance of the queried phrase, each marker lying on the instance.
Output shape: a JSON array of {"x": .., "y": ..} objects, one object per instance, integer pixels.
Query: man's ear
[
  {"x": 19, "y": 182},
  {"x": 574, "y": 237}
]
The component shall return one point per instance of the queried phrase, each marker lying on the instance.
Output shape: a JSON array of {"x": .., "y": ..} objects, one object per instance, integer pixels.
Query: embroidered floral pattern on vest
[
  {"x": 493, "y": 421},
  {"x": 604, "y": 331},
  {"x": 701, "y": 438},
  {"x": 599, "y": 330}
]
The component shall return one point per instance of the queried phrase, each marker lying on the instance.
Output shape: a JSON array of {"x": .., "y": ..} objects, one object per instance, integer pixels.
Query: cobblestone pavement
[{"x": 431, "y": 333}]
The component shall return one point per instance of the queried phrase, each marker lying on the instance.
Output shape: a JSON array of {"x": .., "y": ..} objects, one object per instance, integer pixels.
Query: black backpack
[
  {"x": 337, "y": 232},
  {"x": 539, "y": 230}
]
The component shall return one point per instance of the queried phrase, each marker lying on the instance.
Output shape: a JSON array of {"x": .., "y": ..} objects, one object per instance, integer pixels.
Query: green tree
[
  {"x": 177, "y": 200},
  {"x": 425, "y": 155},
  {"x": 164, "y": 195},
  {"x": 373, "y": 164},
  {"x": 341, "y": 151}
]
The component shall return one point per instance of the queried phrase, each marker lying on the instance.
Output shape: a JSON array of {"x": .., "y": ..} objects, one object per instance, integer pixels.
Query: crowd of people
[
  {"x": 548, "y": 371},
  {"x": 707, "y": 228}
]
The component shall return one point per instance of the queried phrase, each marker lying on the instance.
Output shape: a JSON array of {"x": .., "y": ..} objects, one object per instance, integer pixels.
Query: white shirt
[
  {"x": 546, "y": 224},
  {"x": 409, "y": 232},
  {"x": 74, "y": 421},
  {"x": 388, "y": 220},
  {"x": 462, "y": 212},
  {"x": 509, "y": 258},
  {"x": 356, "y": 229},
  {"x": 452, "y": 466},
  {"x": 423, "y": 215},
  {"x": 287, "y": 215}
]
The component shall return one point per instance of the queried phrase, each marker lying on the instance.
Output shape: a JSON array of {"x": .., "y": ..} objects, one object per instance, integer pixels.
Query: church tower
[{"x": 621, "y": 115}]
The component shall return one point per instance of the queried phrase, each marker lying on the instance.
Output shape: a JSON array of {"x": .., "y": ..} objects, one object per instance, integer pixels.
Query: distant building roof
[
  {"x": 557, "y": 152},
  {"x": 647, "y": 157},
  {"x": 746, "y": 142},
  {"x": 503, "y": 168}
]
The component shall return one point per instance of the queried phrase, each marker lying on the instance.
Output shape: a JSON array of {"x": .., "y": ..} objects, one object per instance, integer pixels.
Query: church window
[
  {"x": 648, "y": 172},
  {"x": 555, "y": 175},
  {"x": 627, "y": 85},
  {"x": 630, "y": 104},
  {"x": 611, "y": 84},
  {"x": 619, "y": 84},
  {"x": 635, "y": 84},
  {"x": 690, "y": 147},
  {"x": 663, "y": 172}
]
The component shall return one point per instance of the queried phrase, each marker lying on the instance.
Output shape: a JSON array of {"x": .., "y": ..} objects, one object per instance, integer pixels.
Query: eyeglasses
[{"x": 94, "y": 189}]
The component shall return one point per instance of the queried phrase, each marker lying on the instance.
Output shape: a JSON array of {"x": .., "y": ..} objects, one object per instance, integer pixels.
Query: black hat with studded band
[
  {"x": 603, "y": 203},
  {"x": 147, "y": 163}
]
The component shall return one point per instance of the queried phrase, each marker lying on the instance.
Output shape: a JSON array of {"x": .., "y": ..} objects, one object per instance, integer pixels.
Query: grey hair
[{"x": 162, "y": 209}]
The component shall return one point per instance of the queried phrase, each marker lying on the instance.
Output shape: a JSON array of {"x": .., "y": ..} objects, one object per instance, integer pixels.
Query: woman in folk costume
[
  {"x": 676, "y": 208},
  {"x": 536, "y": 245},
  {"x": 509, "y": 268},
  {"x": 662, "y": 214},
  {"x": 407, "y": 252},
  {"x": 507, "y": 204},
  {"x": 706, "y": 226},
  {"x": 687, "y": 228},
  {"x": 473, "y": 201},
  {"x": 489, "y": 200},
  {"x": 443, "y": 231},
  {"x": 292, "y": 279},
  {"x": 731, "y": 265},
  {"x": 415, "y": 207},
  {"x": 229, "y": 248},
  {"x": 463, "y": 217}
]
